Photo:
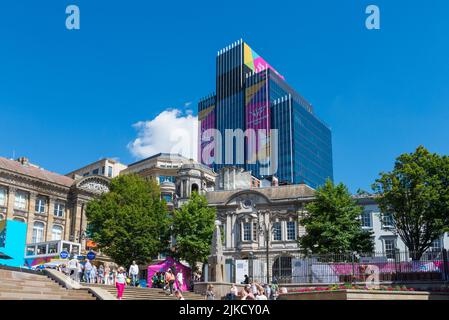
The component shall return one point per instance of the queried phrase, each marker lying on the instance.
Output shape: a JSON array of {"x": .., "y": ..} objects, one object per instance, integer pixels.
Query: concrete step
[
  {"x": 34, "y": 296},
  {"x": 17, "y": 285},
  {"x": 133, "y": 293}
]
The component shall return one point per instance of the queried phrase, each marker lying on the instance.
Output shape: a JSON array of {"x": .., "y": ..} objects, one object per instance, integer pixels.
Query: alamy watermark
[
  {"x": 372, "y": 22},
  {"x": 72, "y": 21}
]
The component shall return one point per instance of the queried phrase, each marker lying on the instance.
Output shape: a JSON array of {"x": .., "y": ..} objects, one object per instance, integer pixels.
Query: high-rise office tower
[{"x": 256, "y": 121}]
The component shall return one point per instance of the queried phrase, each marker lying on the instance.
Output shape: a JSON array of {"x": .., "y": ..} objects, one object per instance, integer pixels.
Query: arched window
[
  {"x": 38, "y": 232},
  {"x": 56, "y": 232},
  {"x": 2, "y": 217},
  {"x": 282, "y": 269},
  {"x": 195, "y": 188}
]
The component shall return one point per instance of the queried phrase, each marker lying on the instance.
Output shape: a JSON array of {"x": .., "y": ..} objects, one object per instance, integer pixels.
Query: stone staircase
[
  {"x": 133, "y": 293},
  {"x": 20, "y": 285}
]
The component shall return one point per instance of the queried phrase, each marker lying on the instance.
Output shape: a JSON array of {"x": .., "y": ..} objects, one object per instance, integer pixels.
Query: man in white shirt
[
  {"x": 134, "y": 273},
  {"x": 73, "y": 266}
]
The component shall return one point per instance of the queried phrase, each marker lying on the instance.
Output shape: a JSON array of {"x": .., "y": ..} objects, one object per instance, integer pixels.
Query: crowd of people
[
  {"x": 170, "y": 281},
  {"x": 252, "y": 290},
  {"x": 87, "y": 272}
]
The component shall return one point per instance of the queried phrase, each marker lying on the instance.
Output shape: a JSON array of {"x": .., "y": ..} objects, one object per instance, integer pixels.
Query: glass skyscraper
[{"x": 250, "y": 94}]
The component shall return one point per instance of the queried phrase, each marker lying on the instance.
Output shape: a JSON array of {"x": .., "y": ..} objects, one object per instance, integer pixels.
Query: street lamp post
[{"x": 267, "y": 238}]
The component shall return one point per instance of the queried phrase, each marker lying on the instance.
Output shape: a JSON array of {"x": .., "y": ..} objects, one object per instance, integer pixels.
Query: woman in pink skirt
[{"x": 120, "y": 282}]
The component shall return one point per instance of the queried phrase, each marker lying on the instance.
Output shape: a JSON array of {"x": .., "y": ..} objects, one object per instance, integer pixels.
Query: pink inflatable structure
[{"x": 167, "y": 264}]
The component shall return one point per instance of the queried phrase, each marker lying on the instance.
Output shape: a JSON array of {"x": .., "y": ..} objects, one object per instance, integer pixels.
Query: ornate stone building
[
  {"x": 176, "y": 175},
  {"x": 259, "y": 224},
  {"x": 52, "y": 205}
]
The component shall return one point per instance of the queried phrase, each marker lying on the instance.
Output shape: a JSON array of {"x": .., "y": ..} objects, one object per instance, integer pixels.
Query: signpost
[
  {"x": 64, "y": 254},
  {"x": 91, "y": 255}
]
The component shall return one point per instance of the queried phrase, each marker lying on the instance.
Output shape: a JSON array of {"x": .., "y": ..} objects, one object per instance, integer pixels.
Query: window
[
  {"x": 2, "y": 217},
  {"x": 291, "y": 230},
  {"x": 277, "y": 231},
  {"x": 31, "y": 250},
  {"x": 390, "y": 248},
  {"x": 246, "y": 231},
  {"x": 53, "y": 247},
  {"x": 387, "y": 220},
  {"x": 56, "y": 233},
  {"x": 42, "y": 249},
  {"x": 38, "y": 232},
  {"x": 59, "y": 209},
  {"x": 437, "y": 245},
  {"x": 110, "y": 172},
  {"x": 163, "y": 179},
  {"x": 86, "y": 174},
  {"x": 95, "y": 172},
  {"x": 103, "y": 170},
  {"x": 2, "y": 197},
  {"x": 366, "y": 219},
  {"x": 20, "y": 201},
  {"x": 254, "y": 231},
  {"x": 41, "y": 204}
]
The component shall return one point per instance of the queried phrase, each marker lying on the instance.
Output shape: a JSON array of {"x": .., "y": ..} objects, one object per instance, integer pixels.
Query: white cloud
[{"x": 171, "y": 131}]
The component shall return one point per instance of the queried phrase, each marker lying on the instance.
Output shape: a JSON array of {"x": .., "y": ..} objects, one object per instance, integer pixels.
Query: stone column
[
  {"x": 83, "y": 226},
  {"x": 30, "y": 219},
  {"x": 68, "y": 223},
  {"x": 216, "y": 261},
  {"x": 76, "y": 221},
  {"x": 10, "y": 202},
  {"x": 50, "y": 215},
  {"x": 229, "y": 228}
]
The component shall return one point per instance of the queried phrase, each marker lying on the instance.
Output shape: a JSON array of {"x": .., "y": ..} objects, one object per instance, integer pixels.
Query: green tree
[
  {"x": 130, "y": 222},
  {"x": 332, "y": 223},
  {"x": 416, "y": 194},
  {"x": 193, "y": 227}
]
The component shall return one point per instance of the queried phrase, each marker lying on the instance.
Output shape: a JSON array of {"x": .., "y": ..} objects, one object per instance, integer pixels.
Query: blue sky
[{"x": 68, "y": 98}]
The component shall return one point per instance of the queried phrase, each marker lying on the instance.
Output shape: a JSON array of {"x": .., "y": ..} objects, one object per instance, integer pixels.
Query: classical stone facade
[
  {"x": 52, "y": 205},
  {"x": 260, "y": 224}
]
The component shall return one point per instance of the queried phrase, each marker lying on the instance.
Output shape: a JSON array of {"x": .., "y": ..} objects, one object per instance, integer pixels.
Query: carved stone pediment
[{"x": 97, "y": 185}]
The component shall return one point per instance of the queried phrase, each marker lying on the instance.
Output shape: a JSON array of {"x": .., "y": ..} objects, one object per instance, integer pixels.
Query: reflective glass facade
[{"x": 250, "y": 94}]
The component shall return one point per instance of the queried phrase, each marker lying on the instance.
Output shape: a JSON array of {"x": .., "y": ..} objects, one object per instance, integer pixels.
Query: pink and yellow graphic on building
[
  {"x": 207, "y": 123},
  {"x": 255, "y": 62},
  {"x": 257, "y": 112}
]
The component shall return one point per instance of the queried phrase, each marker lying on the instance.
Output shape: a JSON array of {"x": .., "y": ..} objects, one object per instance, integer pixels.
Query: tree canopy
[
  {"x": 130, "y": 222},
  {"x": 416, "y": 194},
  {"x": 332, "y": 223},
  {"x": 193, "y": 227}
]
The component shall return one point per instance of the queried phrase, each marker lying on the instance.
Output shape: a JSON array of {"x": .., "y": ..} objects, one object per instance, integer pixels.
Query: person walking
[
  {"x": 100, "y": 279},
  {"x": 93, "y": 274},
  {"x": 73, "y": 266},
  {"x": 180, "y": 280},
  {"x": 107, "y": 269},
  {"x": 134, "y": 273},
  {"x": 120, "y": 282},
  {"x": 87, "y": 270},
  {"x": 80, "y": 272},
  {"x": 170, "y": 280}
]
